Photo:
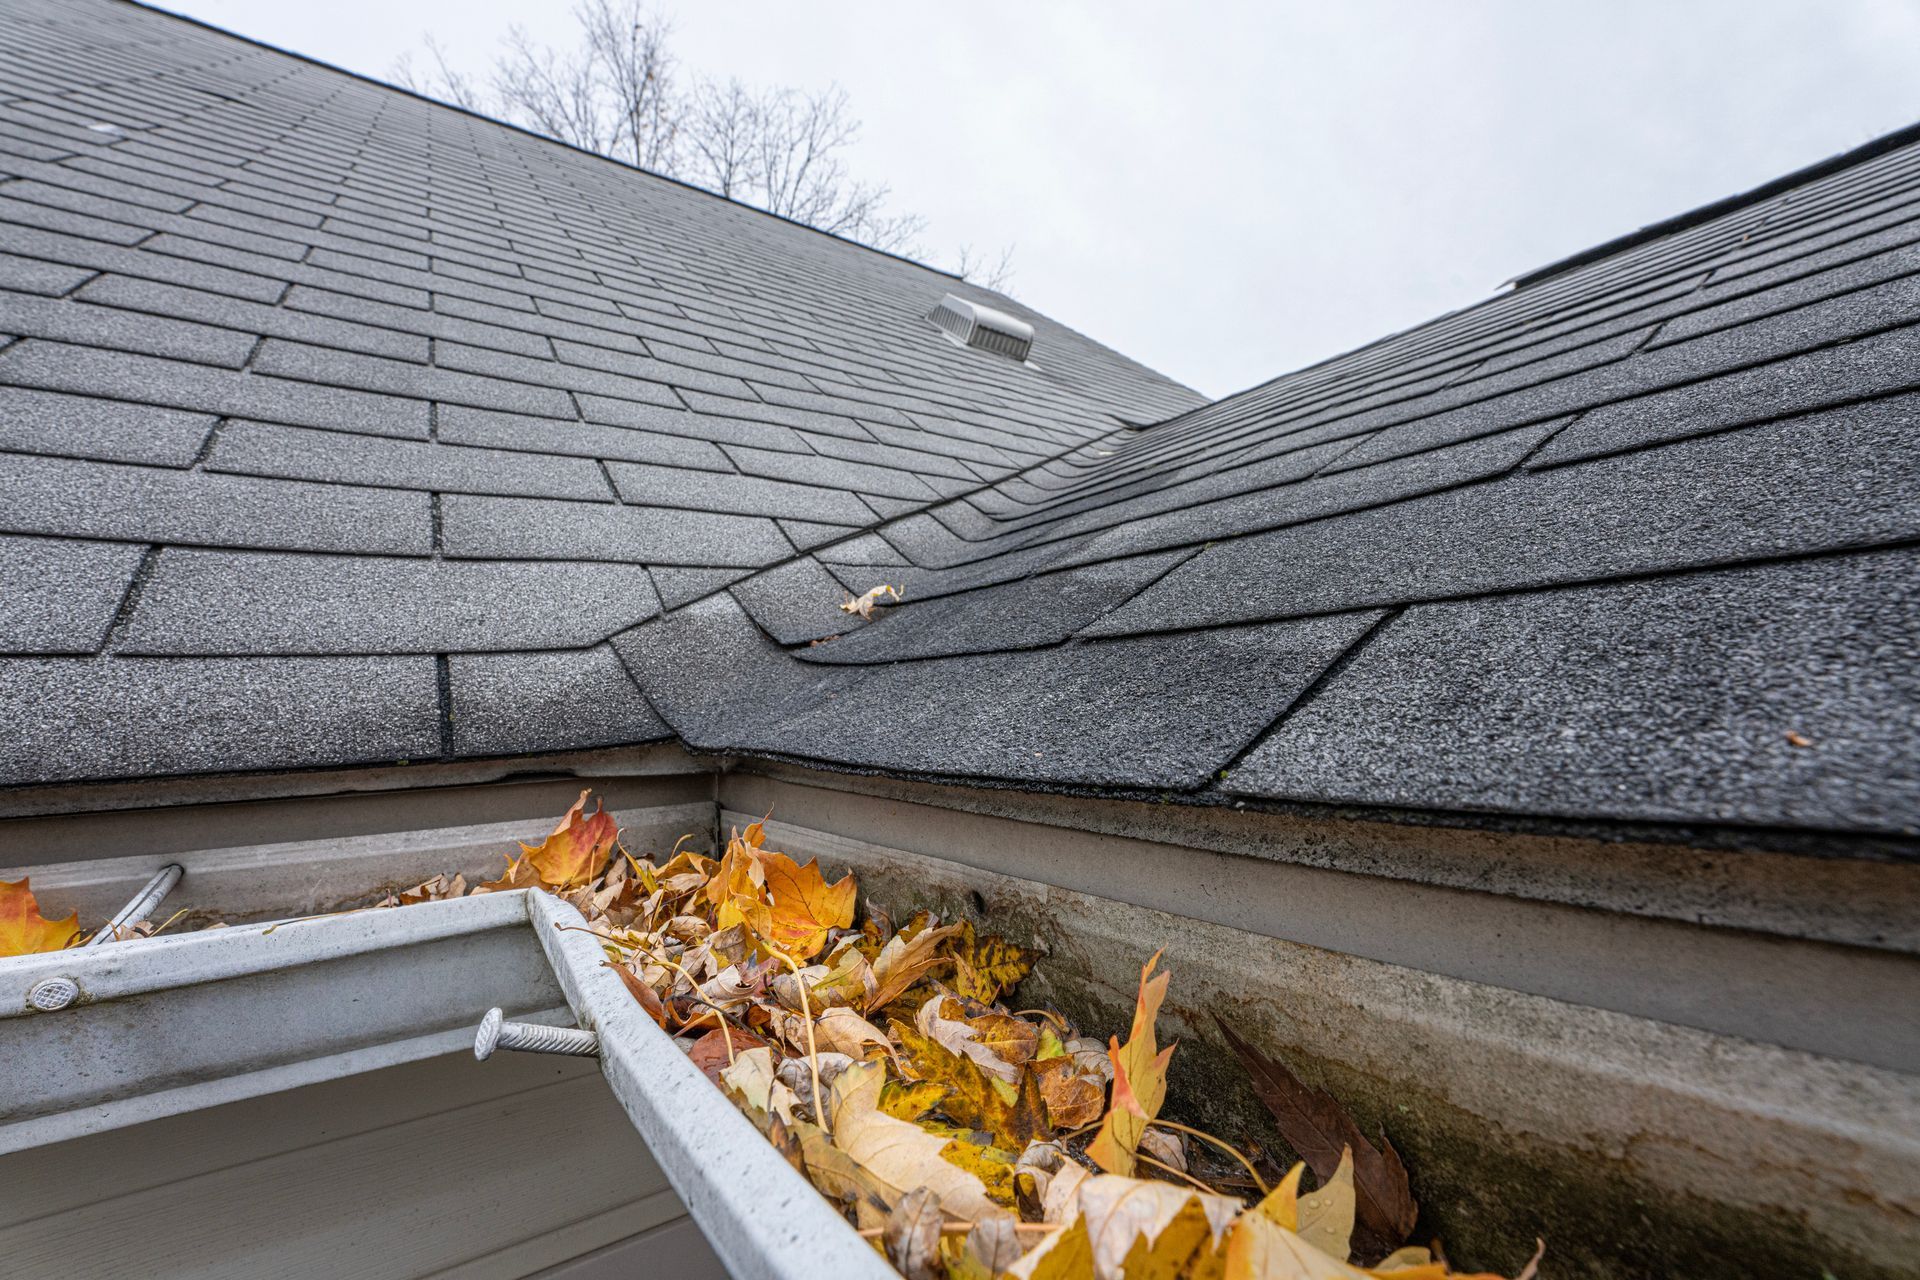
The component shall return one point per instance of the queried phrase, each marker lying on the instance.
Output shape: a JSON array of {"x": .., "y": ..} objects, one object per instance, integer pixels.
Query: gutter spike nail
[{"x": 495, "y": 1032}]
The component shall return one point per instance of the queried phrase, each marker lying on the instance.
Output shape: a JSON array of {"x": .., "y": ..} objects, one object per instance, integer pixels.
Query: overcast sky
[{"x": 1229, "y": 191}]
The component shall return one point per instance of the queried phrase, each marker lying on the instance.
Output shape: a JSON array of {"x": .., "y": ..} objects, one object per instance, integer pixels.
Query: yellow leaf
[
  {"x": 894, "y": 1151},
  {"x": 804, "y": 906},
  {"x": 986, "y": 966},
  {"x": 971, "y": 1097},
  {"x": 993, "y": 1166},
  {"x": 577, "y": 849},
  {"x": 1066, "y": 1254},
  {"x": 23, "y": 930},
  {"x": 1150, "y": 1230},
  {"x": 1139, "y": 1079},
  {"x": 1282, "y": 1204},
  {"x": 910, "y": 1101},
  {"x": 1326, "y": 1215},
  {"x": 1259, "y": 1248}
]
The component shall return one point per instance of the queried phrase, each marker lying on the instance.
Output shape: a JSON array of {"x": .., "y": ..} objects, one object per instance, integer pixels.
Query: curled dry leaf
[
  {"x": 23, "y": 930},
  {"x": 912, "y": 1235},
  {"x": 864, "y": 603},
  {"x": 1151, "y": 1228},
  {"x": 895, "y": 1151}
]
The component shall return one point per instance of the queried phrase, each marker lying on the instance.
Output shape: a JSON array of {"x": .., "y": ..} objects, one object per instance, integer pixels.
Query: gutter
[{"x": 173, "y": 1024}]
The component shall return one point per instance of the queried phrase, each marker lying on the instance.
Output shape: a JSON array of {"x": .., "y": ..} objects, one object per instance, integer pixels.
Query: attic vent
[{"x": 972, "y": 325}]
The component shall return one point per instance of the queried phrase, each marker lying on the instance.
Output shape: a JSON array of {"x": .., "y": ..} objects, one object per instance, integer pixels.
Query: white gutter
[{"x": 172, "y": 1024}]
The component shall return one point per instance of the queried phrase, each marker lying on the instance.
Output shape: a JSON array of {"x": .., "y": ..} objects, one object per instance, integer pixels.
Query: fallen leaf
[
  {"x": 23, "y": 930},
  {"x": 804, "y": 907},
  {"x": 1139, "y": 1079},
  {"x": 994, "y": 1242},
  {"x": 961, "y": 1037},
  {"x": 838, "y": 1176},
  {"x": 1798, "y": 739},
  {"x": 577, "y": 849},
  {"x": 894, "y": 1151},
  {"x": 905, "y": 960},
  {"x": 863, "y": 604},
  {"x": 910, "y": 1101},
  {"x": 644, "y": 995},
  {"x": 1168, "y": 1148},
  {"x": 1326, "y": 1215},
  {"x": 1066, "y": 1254},
  {"x": 912, "y": 1235},
  {"x": 1143, "y": 1228},
  {"x": 1072, "y": 1099},
  {"x": 1258, "y": 1248},
  {"x": 1316, "y": 1126},
  {"x": 1014, "y": 1117},
  {"x": 844, "y": 1031},
  {"x": 709, "y": 1052},
  {"x": 986, "y": 966}
]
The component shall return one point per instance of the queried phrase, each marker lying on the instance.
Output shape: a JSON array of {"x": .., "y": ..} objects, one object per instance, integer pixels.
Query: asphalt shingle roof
[{"x": 337, "y": 426}]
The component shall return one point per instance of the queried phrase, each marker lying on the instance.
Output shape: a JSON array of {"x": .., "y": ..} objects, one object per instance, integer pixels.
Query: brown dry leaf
[
  {"x": 805, "y": 907},
  {"x": 1167, "y": 1147},
  {"x": 986, "y": 966},
  {"x": 912, "y": 1235},
  {"x": 577, "y": 849},
  {"x": 838, "y": 1176},
  {"x": 905, "y": 960},
  {"x": 844, "y": 1031},
  {"x": 863, "y": 604},
  {"x": 894, "y": 1151},
  {"x": 646, "y": 996},
  {"x": 1316, "y": 1126},
  {"x": 994, "y": 1242},
  {"x": 1139, "y": 1079},
  {"x": 23, "y": 930},
  {"x": 1140, "y": 1228},
  {"x": 709, "y": 1052},
  {"x": 1072, "y": 1099}
]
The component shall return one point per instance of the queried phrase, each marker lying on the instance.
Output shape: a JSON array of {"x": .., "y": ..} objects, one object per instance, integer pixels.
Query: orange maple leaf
[
  {"x": 576, "y": 849},
  {"x": 805, "y": 907},
  {"x": 23, "y": 930},
  {"x": 1139, "y": 1079}
]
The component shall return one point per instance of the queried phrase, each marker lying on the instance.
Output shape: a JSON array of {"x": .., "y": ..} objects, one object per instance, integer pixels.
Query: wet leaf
[
  {"x": 577, "y": 849},
  {"x": 1317, "y": 1127},
  {"x": 23, "y": 930}
]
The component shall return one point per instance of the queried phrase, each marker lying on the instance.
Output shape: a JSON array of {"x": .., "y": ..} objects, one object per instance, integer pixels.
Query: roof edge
[
  {"x": 1726, "y": 204},
  {"x": 322, "y": 63}
]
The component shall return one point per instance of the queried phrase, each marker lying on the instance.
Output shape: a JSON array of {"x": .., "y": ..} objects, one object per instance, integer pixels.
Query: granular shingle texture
[{"x": 338, "y": 426}]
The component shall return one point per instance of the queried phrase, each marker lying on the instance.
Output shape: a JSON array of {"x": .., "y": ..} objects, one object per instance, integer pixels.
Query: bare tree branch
[
  {"x": 617, "y": 93},
  {"x": 995, "y": 274}
]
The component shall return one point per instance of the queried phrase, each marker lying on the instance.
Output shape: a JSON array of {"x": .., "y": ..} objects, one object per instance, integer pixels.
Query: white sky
[{"x": 1228, "y": 191}]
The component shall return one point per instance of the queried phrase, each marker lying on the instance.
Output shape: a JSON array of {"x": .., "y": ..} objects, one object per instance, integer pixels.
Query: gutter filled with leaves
[{"x": 891, "y": 1064}]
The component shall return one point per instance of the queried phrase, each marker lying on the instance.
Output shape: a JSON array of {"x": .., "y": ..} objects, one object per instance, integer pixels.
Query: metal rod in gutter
[
  {"x": 143, "y": 905},
  {"x": 497, "y": 1033}
]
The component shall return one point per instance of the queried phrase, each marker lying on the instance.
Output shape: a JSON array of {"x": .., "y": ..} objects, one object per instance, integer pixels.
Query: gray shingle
[
  {"x": 1036, "y": 611},
  {"x": 71, "y": 718},
  {"x": 459, "y": 424},
  {"x": 60, "y": 597},
  {"x": 796, "y": 602},
  {"x": 706, "y": 491},
  {"x": 282, "y": 359},
  {"x": 514, "y": 703},
  {"x": 682, "y": 586},
  {"x": 119, "y": 375},
  {"x": 1807, "y": 484},
  {"x": 829, "y": 472},
  {"x": 85, "y": 427},
  {"x": 217, "y": 602},
  {"x": 1666, "y": 699},
  {"x": 62, "y": 320},
  {"x": 807, "y": 534},
  {"x": 531, "y": 528},
  {"x": 157, "y": 298},
  {"x": 29, "y": 275},
  {"x": 1067, "y": 715},
  {"x": 62, "y": 497},
  {"x": 257, "y": 448}
]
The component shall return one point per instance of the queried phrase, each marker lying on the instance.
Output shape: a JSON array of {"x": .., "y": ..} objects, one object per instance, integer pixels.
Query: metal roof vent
[{"x": 972, "y": 325}]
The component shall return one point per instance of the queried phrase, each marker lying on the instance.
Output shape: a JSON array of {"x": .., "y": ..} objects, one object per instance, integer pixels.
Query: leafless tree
[
  {"x": 617, "y": 93},
  {"x": 994, "y": 273}
]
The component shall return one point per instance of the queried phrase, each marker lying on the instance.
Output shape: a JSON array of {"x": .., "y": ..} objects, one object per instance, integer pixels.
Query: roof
[{"x": 344, "y": 427}]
